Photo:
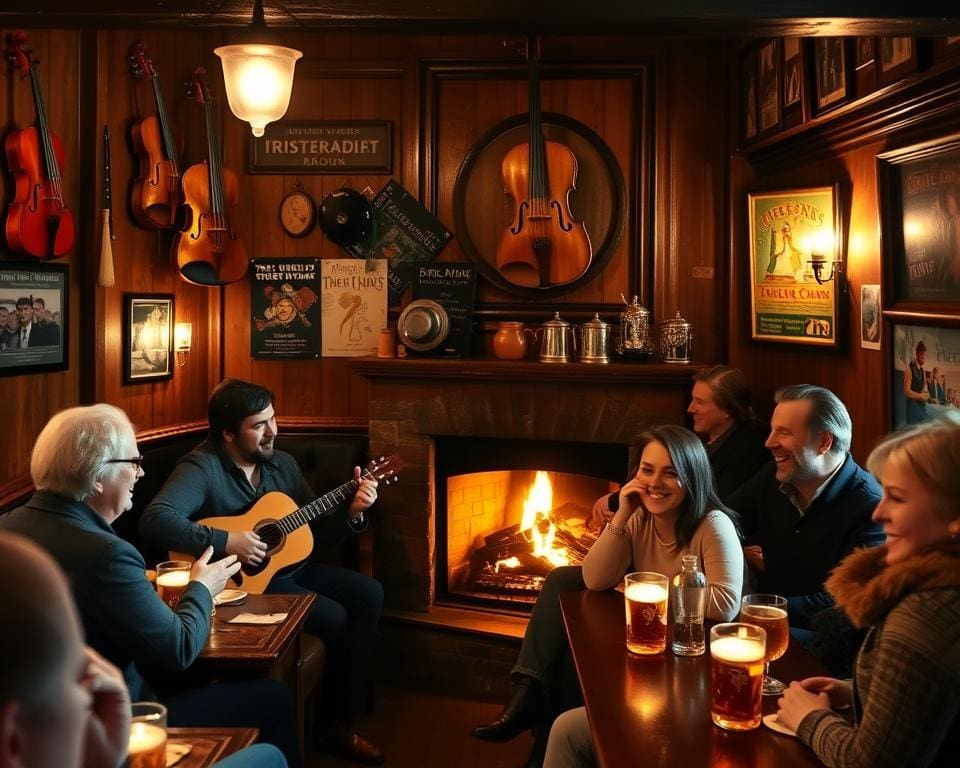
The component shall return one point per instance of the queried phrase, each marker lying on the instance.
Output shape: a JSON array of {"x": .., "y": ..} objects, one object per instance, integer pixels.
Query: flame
[
  {"x": 536, "y": 519},
  {"x": 510, "y": 562}
]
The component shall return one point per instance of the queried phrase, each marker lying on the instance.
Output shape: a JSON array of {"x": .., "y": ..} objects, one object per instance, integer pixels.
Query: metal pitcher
[
  {"x": 554, "y": 346},
  {"x": 594, "y": 341}
]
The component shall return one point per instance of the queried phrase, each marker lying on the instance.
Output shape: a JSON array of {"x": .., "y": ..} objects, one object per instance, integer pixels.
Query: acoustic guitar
[{"x": 282, "y": 526}]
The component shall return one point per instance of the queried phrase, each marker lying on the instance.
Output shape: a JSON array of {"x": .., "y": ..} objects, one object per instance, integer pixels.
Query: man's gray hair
[
  {"x": 829, "y": 414},
  {"x": 72, "y": 451}
]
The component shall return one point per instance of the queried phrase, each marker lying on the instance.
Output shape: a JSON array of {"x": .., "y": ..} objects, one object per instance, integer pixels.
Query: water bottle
[{"x": 689, "y": 598}]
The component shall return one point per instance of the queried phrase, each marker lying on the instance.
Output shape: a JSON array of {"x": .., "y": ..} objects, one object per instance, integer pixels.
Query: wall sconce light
[
  {"x": 182, "y": 337},
  {"x": 819, "y": 267},
  {"x": 258, "y": 77}
]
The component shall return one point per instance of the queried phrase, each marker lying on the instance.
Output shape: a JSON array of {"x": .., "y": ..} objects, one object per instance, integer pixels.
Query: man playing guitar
[{"x": 227, "y": 474}]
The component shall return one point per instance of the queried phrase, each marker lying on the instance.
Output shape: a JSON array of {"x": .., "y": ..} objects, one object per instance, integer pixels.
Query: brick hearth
[{"x": 413, "y": 401}]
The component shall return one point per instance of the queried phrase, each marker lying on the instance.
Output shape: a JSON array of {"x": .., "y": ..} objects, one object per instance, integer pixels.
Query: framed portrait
[
  {"x": 830, "y": 63},
  {"x": 924, "y": 372},
  {"x": 896, "y": 58},
  {"x": 871, "y": 318},
  {"x": 749, "y": 92},
  {"x": 148, "y": 322},
  {"x": 865, "y": 65},
  {"x": 795, "y": 246},
  {"x": 919, "y": 189},
  {"x": 34, "y": 317},
  {"x": 769, "y": 86}
]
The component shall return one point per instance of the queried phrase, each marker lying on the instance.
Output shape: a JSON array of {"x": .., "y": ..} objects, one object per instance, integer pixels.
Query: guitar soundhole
[{"x": 271, "y": 535}]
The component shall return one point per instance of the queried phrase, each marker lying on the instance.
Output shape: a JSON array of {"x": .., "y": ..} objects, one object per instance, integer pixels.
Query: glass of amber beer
[
  {"x": 769, "y": 612},
  {"x": 736, "y": 672},
  {"x": 148, "y": 735},
  {"x": 645, "y": 598},
  {"x": 172, "y": 578}
]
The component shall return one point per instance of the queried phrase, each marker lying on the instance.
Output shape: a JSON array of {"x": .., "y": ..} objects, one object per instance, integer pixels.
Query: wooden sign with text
[{"x": 326, "y": 146}]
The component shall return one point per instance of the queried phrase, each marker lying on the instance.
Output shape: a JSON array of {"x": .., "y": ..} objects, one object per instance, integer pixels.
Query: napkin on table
[{"x": 257, "y": 618}]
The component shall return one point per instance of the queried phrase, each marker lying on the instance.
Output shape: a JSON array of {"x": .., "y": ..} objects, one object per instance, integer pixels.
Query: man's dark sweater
[{"x": 799, "y": 551}]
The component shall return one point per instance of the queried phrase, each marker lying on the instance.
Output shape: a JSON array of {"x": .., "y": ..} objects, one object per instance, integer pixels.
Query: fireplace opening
[{"x": 509, "y": 511}]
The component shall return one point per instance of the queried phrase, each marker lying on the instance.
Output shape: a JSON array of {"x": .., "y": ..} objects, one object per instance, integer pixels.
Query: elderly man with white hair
[{"x": 85, "y": 464}]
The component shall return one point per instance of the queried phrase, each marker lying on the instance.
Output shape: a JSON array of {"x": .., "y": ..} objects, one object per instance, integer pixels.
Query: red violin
[
  {"x": 209, "y": 250},
  {"x": 38, "y": 221}
]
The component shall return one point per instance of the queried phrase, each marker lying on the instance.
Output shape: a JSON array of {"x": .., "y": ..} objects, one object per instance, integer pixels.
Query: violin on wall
[
  {"x": 156, "y": 196},
  {"x": 38, "y": 221},
  {"x": 209, "y": 250},
  {"x": 544, "y": 245}
]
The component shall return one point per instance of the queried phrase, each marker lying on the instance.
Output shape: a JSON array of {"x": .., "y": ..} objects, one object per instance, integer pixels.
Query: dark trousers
[
  {"x": 345, "y": 616},
  {"x": 545, "y": 652},
  {"x": 258, "y": 703}
]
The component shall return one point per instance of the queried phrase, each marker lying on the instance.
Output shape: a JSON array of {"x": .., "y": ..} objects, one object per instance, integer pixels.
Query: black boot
[{"x": 522, "y": 712}]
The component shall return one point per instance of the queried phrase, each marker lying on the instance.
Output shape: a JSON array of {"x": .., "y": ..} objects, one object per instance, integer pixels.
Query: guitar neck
[{"x": 318, "y": 507}]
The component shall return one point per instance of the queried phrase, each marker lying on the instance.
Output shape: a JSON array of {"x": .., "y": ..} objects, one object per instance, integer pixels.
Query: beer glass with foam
[
  {"x": 769, "y": 612},
  {"x": 172, "y": 578},
  {"x": 736, "y": 673},
  {"x": 148, "y": 735},
  {"x": 645, "y": 599}
]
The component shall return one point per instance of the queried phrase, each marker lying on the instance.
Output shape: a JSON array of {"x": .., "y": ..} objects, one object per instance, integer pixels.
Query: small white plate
[
  {"x": 230, "y": 597},
  {"x": 775, "y": 725}
]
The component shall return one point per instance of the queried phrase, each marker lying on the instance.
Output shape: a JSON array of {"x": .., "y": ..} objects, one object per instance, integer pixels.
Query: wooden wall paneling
[
  {"x": 142, "y": 258},
  {"x": 625, "y": 139},
  {"x": 27, "y": 401}
]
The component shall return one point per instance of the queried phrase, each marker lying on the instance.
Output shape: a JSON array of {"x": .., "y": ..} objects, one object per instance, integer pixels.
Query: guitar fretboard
[{"x": 319, "y": 507}]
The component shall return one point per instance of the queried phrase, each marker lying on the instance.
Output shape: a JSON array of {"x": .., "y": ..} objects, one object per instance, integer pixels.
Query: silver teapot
[
  {"x": 594, "y": 341},
  {"x": 554, "y": 347}
]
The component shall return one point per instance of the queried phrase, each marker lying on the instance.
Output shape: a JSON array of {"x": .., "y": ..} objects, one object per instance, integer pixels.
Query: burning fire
[{"x": 537, "y": 525}]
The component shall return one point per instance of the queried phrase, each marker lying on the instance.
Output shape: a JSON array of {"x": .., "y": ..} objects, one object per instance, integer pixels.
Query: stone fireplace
[{"x": 570, "y": 419}]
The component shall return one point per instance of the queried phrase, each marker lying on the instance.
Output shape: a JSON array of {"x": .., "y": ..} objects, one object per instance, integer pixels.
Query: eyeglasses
[{"x": 136, "y": 461}]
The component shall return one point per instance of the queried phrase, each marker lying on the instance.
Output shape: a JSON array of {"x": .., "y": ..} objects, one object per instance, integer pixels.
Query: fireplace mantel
[{"x": 413, "y": 401}]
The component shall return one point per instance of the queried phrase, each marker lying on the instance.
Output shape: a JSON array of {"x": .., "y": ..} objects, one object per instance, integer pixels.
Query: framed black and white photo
[
  {"x": 871, "y": 318},
  {"x": 33, "y": 318},
  {"x": 147, "y": 337},
  {"x": 830, "y": 64}
]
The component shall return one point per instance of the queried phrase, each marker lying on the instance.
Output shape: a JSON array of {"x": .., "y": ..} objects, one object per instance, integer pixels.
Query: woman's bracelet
[{"x": 616, "y": 531}]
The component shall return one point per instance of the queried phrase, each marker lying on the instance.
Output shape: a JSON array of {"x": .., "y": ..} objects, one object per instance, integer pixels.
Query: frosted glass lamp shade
[
  {"x": 182, "y": 337},
  {"x": 258, "y": 80}
]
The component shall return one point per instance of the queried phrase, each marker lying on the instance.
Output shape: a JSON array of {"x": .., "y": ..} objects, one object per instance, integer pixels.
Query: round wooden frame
[{"x": 599, "y": 199}]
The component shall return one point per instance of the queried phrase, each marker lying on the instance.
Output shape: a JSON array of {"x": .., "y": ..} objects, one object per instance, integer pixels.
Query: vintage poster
[
  {"x": 33, "y": 317},
  {"x": 928, "y": 269},
  {"x": 404, "y": 233},
  {"x": 793, "y": 240},
  {"x": 452, "y": 285},
  {"x": 354, "y": 301},
  {"x": 284, "y": 300},
  {"x": 926, "y": 373}
]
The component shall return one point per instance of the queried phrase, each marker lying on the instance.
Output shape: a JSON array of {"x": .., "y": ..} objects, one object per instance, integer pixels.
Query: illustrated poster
[
  {"x": 284, "y": 300},
  {"x": 354, "y": 302}
]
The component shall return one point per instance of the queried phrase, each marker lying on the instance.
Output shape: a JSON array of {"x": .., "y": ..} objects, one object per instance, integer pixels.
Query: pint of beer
[
  {"x": 736, "y": 673},
  {"x": 645, "y": 599},
  {"x": 172, "y": 578},
  {"x": 148, "y": 735}
]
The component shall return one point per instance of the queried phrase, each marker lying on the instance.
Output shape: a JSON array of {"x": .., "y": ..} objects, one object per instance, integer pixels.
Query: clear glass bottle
[{"x": 688, "y": 593}]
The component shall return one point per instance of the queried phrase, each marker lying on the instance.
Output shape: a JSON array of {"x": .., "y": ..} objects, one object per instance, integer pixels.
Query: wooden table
[
  {"x": 271, "y": 649},
  {"x": 655, "y": 710},
  {"x": 209, "y": 745}
]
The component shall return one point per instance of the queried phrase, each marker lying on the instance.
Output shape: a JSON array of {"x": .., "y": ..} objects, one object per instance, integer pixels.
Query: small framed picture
[
  {"x": 924, "y": 375},
  {"x": 749, "y": 91},
  {"x": 897, "y": 58},
  {"x": 794, "y": 88},
  {"x": 830, "y": 62},
  {"x": 871, "y": 318},
  {"x": 34, "y": 318},
  {"x": 865, "y": 65},
  {"x": 769, "y": 86},
  {"x": 946, "y": 47},
  {"x": 147, "y": 337}
]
